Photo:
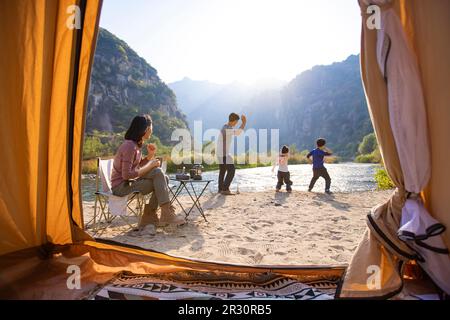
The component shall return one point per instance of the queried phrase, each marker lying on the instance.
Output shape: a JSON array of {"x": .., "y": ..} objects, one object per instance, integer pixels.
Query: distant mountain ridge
[
  {"x": 212, "y": 102},
  {"x": 124, "y": 85}
]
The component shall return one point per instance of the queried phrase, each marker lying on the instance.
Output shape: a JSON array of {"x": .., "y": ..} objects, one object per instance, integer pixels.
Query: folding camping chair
[{"x": 108, "y": 207}]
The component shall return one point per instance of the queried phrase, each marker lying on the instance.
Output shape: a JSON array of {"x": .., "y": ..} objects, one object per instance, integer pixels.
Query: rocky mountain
[
  {"x": 124, "y": 85},
  {"x": 326, "y": 101}
]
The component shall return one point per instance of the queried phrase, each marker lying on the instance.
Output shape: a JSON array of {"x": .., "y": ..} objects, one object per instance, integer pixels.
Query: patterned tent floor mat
[{"x": 212, "y": 286}]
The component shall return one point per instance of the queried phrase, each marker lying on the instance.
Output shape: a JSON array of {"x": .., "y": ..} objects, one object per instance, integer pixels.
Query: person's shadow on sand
[
  {"x": 281, "y": 197},
  {"x": 165, "y": 239},
  {"x": 214, "y": 201},
  {"x": 331, "y": 199},
  {"x": 168, "y": 238}
]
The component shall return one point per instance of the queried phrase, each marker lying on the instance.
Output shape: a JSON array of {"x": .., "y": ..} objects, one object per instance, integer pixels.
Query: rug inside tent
[{"x": 212, "y": 286}]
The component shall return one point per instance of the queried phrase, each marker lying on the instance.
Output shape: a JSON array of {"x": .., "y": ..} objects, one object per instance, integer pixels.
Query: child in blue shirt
[{"x": 319, "y": 169}]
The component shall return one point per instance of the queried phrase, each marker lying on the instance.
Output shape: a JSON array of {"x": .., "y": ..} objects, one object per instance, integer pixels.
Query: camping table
[{"x": 195, "y": 197}]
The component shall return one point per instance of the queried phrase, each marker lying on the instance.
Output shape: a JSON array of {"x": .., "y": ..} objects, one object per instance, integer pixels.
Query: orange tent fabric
[
  {"x": 44, "y": 81},
  {"x": 29, "y": 275},
  {"x": 426, "y": 25}
]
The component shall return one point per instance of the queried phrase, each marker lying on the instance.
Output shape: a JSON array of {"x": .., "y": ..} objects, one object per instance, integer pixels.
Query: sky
[{"x": 235, "y": 40}]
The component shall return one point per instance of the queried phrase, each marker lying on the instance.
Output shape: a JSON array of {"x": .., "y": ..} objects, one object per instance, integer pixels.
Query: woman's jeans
[{"x": 155, "y": 182}]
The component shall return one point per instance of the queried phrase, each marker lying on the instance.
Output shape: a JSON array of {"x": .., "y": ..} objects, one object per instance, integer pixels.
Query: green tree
[
  {"x": 368, "y": 145},
  {"x": 293, "y": 149},
  {"x": 93, "y": 147},
  {"x": 304, "y": 153}
]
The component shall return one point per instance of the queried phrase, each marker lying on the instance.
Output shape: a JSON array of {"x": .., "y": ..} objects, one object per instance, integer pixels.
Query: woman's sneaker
[
  {"x": 148, "y": 230},
  {"x": 149, "y": 217}
]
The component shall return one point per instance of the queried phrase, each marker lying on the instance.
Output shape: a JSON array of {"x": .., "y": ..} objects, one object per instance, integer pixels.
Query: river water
[{"x": 345, "y": 177}]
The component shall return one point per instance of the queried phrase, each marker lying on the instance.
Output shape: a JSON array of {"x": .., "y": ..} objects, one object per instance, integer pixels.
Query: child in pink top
[{"x": 283, "y": 175}]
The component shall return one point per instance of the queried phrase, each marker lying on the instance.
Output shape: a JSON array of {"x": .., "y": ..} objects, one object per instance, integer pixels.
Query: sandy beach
[{"x": 262, "y": 228}]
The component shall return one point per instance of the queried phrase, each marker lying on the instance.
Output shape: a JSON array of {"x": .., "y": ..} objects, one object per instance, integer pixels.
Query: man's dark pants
[
  {"x": 229, "y": 170},
  {"x": 320, "y": 172}
]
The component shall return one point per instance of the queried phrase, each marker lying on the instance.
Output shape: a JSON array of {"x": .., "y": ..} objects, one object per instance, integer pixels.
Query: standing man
[{"x": 226, "y": 161}]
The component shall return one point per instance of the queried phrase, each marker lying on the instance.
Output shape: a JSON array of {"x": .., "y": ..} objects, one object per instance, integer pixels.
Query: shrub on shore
[
  {"x": 368, "y": 150},
  {"x": 89, "y": 166},
  {"x": 373, "y": 157},
  {"x": 383, "y": 180}
]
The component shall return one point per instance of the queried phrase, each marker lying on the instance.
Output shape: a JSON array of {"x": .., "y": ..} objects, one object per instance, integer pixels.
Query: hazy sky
[{"x": 243, "y": 40}]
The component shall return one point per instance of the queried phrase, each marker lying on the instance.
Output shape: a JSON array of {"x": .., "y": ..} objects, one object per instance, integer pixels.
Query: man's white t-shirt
[{"x": 224, "y": 143}]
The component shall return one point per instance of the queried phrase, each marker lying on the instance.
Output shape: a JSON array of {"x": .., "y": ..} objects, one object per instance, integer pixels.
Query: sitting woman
[{"x": 133, "y": 173}]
